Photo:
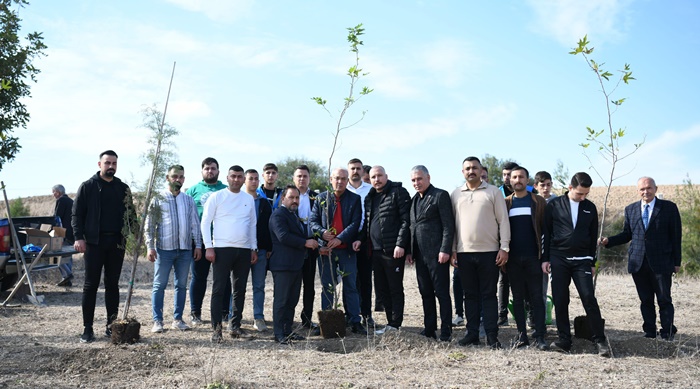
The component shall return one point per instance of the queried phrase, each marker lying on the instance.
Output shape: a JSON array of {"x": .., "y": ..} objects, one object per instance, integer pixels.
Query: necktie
[{"x": 645, "y": 216}]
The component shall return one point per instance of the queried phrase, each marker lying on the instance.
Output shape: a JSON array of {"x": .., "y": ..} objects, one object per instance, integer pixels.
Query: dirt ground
[{"x": 39, "y": 348}]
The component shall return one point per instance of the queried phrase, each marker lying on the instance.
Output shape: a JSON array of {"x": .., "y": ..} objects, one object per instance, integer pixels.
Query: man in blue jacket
[
  {"x": 289, "y": 248},
  {"x": 654, "y": 228}
]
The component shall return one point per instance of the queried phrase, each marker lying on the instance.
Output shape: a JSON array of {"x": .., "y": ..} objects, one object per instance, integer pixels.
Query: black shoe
[
  {"x": 650, "y": 335},
  {"x": 87, "y": 336},
  {"x": 239, "y": 333},
  {"x": 295, "y": 337},
  {"x": 66, "y": 281},
  {"x": 502, "y": 321},
  {"x": 445, "y": 337},
  {"x": 217, "y": 337},
  {"x": 560, "y": 346},
  {"x": 316, "y": 331},
  {"x": 378, "y": 307},
  {"x": 309, "y": 325},
  {"x": 522, "y": 341},
  {"x": 469, "y": 340},
  {"x": 357, "y": 328},
  {"x": 368, "y": 322},
  {"x": 603, "y": 349},
  {"x": 108, "y": 331},
  {"x": 427, "y": 334},
  {"x": 283, "y": 340},
  {"x": 665, "y": 335},
  {"x": 541, "y": 344},
  {"x": 492, "y": 341}
]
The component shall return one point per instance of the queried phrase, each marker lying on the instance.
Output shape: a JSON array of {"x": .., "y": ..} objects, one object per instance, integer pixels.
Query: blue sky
[{"x": 451, "y": 79}]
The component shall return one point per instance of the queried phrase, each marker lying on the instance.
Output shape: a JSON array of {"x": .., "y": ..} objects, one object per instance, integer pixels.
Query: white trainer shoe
[
  {"x": 458, "y": 320},
  {"x": 386, "y": 329},
  {"x": 180, "y": 325},
  {"x": 259, "y": 324},
  {"x": 157, "y": 327}
]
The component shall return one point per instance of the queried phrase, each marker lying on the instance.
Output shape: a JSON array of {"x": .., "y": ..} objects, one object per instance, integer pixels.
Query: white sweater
[{"x": 234, "y": 219}]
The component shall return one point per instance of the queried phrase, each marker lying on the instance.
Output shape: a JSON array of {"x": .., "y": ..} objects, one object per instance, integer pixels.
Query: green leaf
[{"x": 5, "y": 84}]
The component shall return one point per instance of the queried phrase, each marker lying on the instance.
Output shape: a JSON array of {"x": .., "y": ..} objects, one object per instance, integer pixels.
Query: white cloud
[
  {"x": 218, "y": 10},
  {"x": 569, "y": 20}
]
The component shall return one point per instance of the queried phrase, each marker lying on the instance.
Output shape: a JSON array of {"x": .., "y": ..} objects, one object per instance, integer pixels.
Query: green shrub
[
  {"x": 17, "y": 208},
  {"x": 689, "y": 207}
]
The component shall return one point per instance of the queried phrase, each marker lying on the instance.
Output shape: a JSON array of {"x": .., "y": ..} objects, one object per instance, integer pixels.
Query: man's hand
[
  {"x": 79, "y": 245},
  {"x": 197, "y": 254},
  {"x": 269, "y": 253},
  {"x": 399, "y": 252},
  {"x": 357, "y": 245},
  {"x": 327, "y": 236},
  {"x": 676, "y": 269},
  {"x": 152, "y": 255},
  {"x": 253, "y": 257},
  {"x": 210, "y": 255},
  {"x": 409, "y": 259},
  {"x": 443, "y": 257},
  {"x": 333, "y": 243},
  {"x": 311, "y": 244},
  {"x": 501, "y": 258},
  {"x": 593, "y": 271},
  {"x": 546, "y": 267},
  {"x": 453, "y": 259},
  {"x": 602, "y": 241}
]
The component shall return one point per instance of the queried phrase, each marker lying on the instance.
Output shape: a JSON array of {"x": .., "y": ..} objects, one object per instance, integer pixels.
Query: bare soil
[{"x": 39, "y": 348}]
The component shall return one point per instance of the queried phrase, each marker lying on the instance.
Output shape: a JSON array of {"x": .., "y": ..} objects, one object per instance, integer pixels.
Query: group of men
[{"x": 355, "y": 229}]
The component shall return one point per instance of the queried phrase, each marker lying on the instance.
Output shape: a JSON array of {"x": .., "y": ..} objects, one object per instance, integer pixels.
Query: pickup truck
[{"x": 8, "y": 261}]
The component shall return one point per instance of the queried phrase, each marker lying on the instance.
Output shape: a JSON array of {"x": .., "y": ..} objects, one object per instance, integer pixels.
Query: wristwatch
[{"x": 506, "y": 249}]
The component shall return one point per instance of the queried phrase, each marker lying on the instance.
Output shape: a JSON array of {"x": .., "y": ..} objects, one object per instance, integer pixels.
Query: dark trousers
[
  {"x": 479, "y": 275},
  {"x": 309, "y": 280},
  {"x": 198, "y": 286},
  {"x": 650, "y": 284},
  {"x": 525, "y": 276},
  {"x": 107, "y": 254},
  {"x": 388, "y": 282},
  {"x": 503, "y": 294},
  {"x": 287, "y": 286},
  {"x": 434, "y": 282},
  {"x": 563, "y": 271},
  {"x": 232, "y": 265},
  {"x": 364, "y": 281},
  {"x": 458, "y": 293}
]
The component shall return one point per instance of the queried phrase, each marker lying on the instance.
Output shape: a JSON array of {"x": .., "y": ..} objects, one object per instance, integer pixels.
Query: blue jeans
[
  {"x": 258, "y": 273},
  {"x": 180, "y": 260},
  {"x": 347, "y": 263},
  {"x": 66, "y": 268}
]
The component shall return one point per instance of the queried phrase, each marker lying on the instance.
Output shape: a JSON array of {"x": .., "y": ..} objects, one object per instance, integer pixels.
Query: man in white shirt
[{"x": 231, "y": 247}]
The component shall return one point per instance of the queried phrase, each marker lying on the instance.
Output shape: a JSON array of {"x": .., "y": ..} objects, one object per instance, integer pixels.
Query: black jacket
[
  {"x": 86, "y": 208},
  {"x": 432, "y": 223},
  {"x": 288, "y": 240},
  {"x": 560, "y": 237},
  {"x": 351, "y": 215},
  {"x": 263, "y": 224},
  {"x": 63, "y": 210},
  {"x": 394, "y": 217}
]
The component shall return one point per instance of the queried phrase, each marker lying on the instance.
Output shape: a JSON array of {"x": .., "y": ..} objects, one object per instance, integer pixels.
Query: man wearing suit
[
  {"x": 289, "y": 245},
  {"x": 432, "y": 232},
  {"x": 654, "y": 228},
  {"x": 571, "y": 229}
]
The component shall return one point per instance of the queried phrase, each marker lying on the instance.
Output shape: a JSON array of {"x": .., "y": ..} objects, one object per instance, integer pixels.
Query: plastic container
[{"x": 548, "y": 311}]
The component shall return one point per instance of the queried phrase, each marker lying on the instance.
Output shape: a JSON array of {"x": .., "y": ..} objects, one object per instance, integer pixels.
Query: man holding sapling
[
  {"x": 336, "y": 218},
  {"x": 172, "y": 225},
  {"x": 386, "y": 231},
  {"x": 289, "y": 250},
  {"x": 481, "y": 245},
  {"x": 230, "y": 236},
  {"x": 200, "y": 268},
  {"x": 571, "y": 230},
  {"x": 653, "y": 226},
  {"x": 103, "y": 215}
]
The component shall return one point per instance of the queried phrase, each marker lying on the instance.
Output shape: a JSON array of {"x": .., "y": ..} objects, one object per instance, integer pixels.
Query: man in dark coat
[
  {"x": 62, "y": 211},
  {"x": 654, "y": 228}
]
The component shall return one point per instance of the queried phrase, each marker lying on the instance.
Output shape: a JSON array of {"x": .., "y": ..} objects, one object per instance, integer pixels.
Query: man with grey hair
[
  {"x": 62, "y": 213},
  {"x": 653, "y": 226},
  {"x": 432, "y": 233}
]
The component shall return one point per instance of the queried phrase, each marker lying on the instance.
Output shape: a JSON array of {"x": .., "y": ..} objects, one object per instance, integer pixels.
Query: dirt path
[{"x": 39, "y": 348}]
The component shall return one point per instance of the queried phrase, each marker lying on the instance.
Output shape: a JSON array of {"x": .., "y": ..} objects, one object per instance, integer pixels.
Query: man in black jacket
[
  {"x": 571, "y": 231},
  {"x": 103, "y": 214},
  {"x": 432, "y": 232},
  {"x": 289, "y": 245},
  {"x": 335, "y": 218},
  {"x": 653, "y": 226},
  {"x": 62, "y": 211},
  {"x": 386, "y": 228}
]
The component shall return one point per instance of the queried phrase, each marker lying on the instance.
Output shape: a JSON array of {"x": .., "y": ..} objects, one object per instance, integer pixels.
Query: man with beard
[
  {"x": 103, "y": 215},
  {"x": 364, "y": 262},
  {"x": 481, "y": 246},
  {"x": 230, "y": 236},
  {"x": 432, "y": 232},
  {"x": 289, "y": 249},
  {"x": 172, "y": 225},
  {"x": 62, "y": 211},
  {"x": 200, "y": 269}
]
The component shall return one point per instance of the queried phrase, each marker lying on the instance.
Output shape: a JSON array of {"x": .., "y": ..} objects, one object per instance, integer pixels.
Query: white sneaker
[
  {"x": 458, "y": 320},
  {"x": 259, "y": 324},
  {"x": 386, "y": 329},
  {"x": 157, "y": 327},
  {"x": 180, "y": 325}
]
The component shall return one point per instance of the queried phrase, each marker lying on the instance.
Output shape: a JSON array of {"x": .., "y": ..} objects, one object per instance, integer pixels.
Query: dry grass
[{"x": 40, "y": 348}]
